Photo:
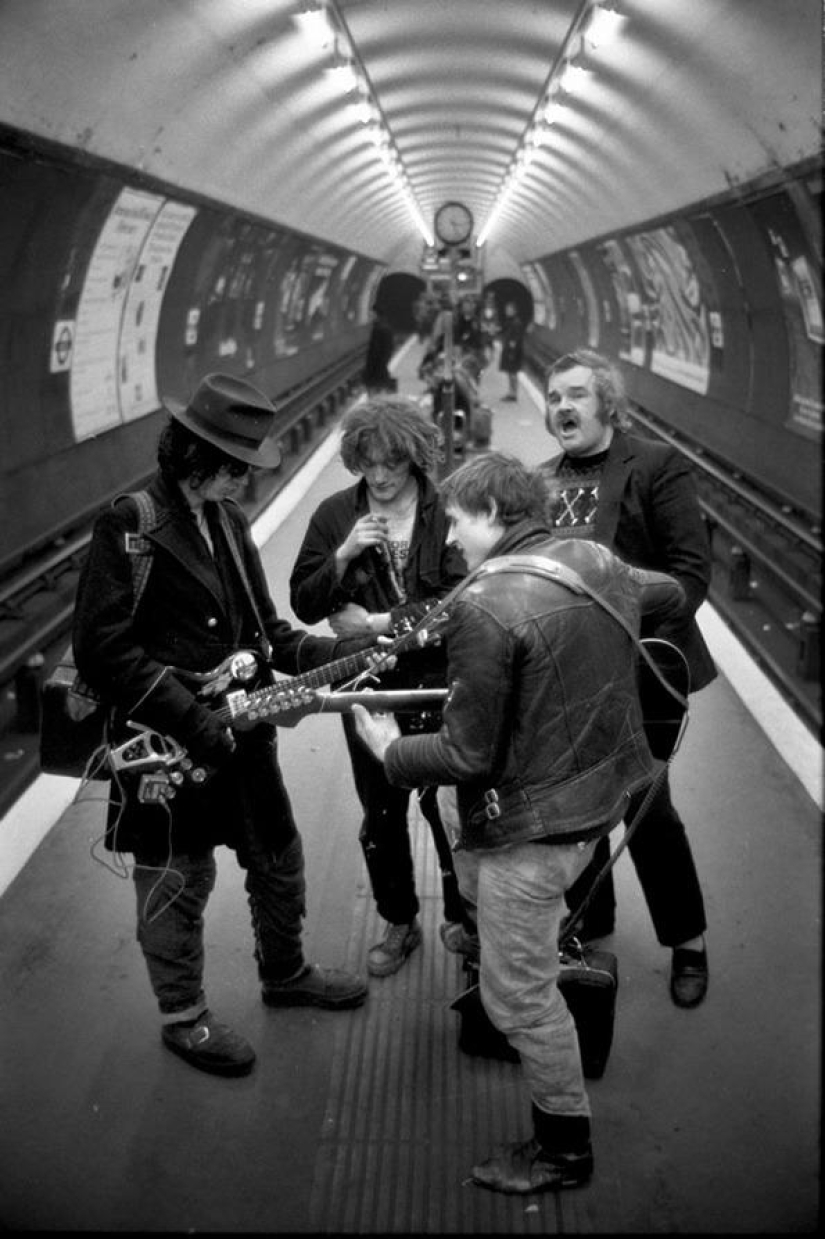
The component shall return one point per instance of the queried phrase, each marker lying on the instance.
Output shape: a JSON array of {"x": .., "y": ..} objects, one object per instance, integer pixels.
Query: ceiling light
[
  {"x": 315, "y": 23},
  {"x": 603, "y": 26},
  {"x": 573, "y": 76},
  {"x": 344, "y": 75},
  {"x": 553, "y": 110}
]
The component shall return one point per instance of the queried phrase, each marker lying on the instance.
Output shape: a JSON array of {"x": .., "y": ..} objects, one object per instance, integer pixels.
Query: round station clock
[{"x": 453, "y": 223}]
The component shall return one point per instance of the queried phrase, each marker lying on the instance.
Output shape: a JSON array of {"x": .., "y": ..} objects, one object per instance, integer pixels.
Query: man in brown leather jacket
[{"x": 543, "y": 736}]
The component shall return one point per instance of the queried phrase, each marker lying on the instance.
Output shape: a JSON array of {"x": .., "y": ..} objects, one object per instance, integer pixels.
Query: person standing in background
[
  {"x": 490, "y": 325},
  {"x": 512, "y": 349},
  {"x": 377, "y": 377},
  {"x": 638, "y": 498}
]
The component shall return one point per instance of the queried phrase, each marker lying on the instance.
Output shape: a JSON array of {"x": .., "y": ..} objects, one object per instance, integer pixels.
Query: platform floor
[{"x": 366, "y": 1122}]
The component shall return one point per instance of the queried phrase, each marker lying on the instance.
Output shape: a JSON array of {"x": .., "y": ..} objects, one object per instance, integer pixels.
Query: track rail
[{"x": 37, "y": 594}]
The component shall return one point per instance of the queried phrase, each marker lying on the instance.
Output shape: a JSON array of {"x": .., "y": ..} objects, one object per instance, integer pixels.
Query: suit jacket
[{"x": 649, "y": 515}]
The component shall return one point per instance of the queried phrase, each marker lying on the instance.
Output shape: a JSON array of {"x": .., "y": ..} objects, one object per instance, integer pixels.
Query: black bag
[
  {"x": 73, "y": 718},
  {"x": 588, "y": 981}
]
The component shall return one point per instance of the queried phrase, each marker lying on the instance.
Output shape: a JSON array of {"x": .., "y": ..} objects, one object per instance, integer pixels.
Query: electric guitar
[{"x": 163, "y": 764}]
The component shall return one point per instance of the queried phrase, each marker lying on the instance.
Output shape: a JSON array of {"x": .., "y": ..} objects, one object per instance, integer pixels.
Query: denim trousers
[
  {"x": 172, "y": 894},
  {"x": 518, "y": 894}
]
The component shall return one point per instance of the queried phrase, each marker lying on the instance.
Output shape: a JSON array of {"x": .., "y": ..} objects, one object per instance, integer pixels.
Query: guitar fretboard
[{"x": 340, "y": 669}]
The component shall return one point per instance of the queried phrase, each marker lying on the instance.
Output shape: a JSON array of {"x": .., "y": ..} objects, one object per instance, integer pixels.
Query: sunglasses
[{"x": 236, "y": 468}]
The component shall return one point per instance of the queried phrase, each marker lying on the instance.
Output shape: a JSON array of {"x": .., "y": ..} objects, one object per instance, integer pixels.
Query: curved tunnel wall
[
  {"x": 118, "y": 291},
  {"x": 716, "y": 318}
]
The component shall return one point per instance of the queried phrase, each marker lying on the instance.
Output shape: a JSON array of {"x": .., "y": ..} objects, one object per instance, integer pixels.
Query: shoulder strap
[
  {"x": 229, "y": 536},
  {"x": 138, "y": 546},
  {"x": 571, "y": 580}
]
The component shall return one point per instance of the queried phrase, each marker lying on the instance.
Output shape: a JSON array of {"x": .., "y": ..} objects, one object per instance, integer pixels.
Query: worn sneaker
[
  {"x": 525, "y": 1167},
  {"x": 316, "y": 987},
  {"x": 388, "y": 955},
  {"x": 207, "y": 1044}
]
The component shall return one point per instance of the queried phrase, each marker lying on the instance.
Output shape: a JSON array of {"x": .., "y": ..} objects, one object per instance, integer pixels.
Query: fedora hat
[{"x": 230, "y": 414}]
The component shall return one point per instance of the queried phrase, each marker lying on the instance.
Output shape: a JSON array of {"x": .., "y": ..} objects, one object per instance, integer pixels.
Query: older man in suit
[{"x": 636, "y": 497}]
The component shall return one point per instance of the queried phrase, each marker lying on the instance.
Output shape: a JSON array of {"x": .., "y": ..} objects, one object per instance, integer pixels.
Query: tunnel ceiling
[{"x": 233, "y": 99}]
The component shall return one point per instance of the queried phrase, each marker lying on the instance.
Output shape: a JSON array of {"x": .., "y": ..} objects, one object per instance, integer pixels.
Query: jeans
[
  {"x": 665, "y": 867},
  {"x": 517, "y": 895},
  {"x": 172, "y": 894}
]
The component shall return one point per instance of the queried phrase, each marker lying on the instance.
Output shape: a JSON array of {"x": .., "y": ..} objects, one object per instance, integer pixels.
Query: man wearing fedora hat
[{"x": 205, "y": 597}]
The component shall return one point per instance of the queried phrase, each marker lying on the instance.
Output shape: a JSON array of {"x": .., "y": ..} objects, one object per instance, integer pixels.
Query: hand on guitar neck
[{"x": 154, "y": 756}]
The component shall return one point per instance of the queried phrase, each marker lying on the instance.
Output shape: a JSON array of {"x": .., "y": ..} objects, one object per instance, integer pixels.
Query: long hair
[
  {"x": 392, "y": 428},
  {"x": 519, "y": 493},
  {"x": 609, "y": 383},
  {"x": 184, "y": 456}
]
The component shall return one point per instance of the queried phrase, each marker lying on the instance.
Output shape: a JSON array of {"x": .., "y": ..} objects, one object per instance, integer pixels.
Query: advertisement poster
[
  {"x": 631, "y": 310},
  {"x": 544, "y": 306},
  {"x": 137, "y": 385},
  {"x": 94, "y": 381},
  {"x": 590, "y": 300},
  {"x": 675, "y": 306},
  {"x": 112, "y": 377},
  {"x": 799, "y": 279}
]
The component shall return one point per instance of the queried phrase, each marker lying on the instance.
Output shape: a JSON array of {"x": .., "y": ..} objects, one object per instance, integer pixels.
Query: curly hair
[
  {"x": 183, "y": 455},
  {"x": 391, "y": 428},
  {"x": 609, "y": 383},
  {"x": 519, "y": 493}
]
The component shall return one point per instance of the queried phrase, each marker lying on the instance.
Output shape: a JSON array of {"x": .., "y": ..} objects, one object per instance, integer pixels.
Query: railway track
[{"x": 37, "y": 593}]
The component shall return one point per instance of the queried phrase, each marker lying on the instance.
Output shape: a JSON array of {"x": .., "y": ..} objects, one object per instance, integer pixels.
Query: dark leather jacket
[{"x": 542, "y": 730}]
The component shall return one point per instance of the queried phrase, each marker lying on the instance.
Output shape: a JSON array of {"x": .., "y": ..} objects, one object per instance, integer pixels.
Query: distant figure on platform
[
  {"x": 512, "y": 349},
  {"x": 205, "y": 597},
  {"x": 490, "y": 325},
  {"x": 637, "y": 497},
  {"x": 467, "y": 335},
  {"x": 543, "y": 737},
  {"x": 373, "y": 561},
  {"x": 377, "y": 377}
]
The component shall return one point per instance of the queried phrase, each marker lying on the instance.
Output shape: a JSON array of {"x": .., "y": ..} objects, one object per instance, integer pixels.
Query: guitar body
[{"x": 664, "y": 711}]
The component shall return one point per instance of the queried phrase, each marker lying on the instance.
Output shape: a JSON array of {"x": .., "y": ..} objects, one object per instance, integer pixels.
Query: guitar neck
[
  {"x": 399, "y": 701},
  {"x": 341, "y": 668}
]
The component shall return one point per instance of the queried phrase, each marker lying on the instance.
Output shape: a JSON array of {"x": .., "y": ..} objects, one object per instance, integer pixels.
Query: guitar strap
[{"x": 229, "y": 538}]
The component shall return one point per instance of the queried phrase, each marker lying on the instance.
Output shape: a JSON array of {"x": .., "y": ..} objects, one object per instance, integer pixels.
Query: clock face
[{"x": 453, "y": 223}]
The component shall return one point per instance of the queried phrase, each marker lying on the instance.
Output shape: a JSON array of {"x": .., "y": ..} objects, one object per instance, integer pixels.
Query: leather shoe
[
  {"x": 525, "y": 1167},
  {"x": 688, "y": 976},
  {"x": 316, "y": 987},
  {"x": 207, "y": 1044},
  {"x": 460, "y": 941}
]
